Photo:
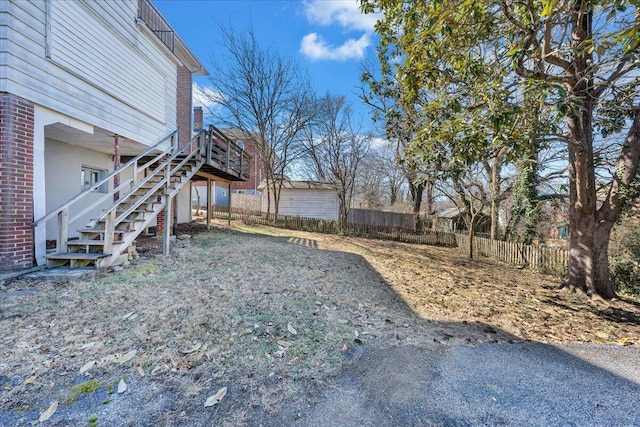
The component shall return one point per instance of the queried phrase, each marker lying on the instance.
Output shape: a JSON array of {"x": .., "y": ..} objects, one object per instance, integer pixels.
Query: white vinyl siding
[
  {"x": 104, "y": 68},
  {"x": 306, "y": 202}
]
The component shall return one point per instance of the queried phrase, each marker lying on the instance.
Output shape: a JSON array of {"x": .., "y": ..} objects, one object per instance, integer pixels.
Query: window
[{"x": 90, "y": 175}]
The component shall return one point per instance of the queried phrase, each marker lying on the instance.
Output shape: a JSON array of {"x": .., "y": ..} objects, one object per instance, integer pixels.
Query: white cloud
[
  {"x": 342, "y": 13},
  {"x": 205, "y": 97},
  {"x": 313, "y": 46},
  {"x": 345, "y": 13}
]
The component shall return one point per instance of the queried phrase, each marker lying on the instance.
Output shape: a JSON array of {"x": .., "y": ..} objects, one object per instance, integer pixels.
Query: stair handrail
[
  {"x": 122, "y": 186},
  {"x": 158, "y": 170},
  {"x": 106, "y": 179}
]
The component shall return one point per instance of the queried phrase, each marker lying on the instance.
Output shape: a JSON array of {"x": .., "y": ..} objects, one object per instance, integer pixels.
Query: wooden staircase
[
  {"x": 155, "y": 177},
  {"x": 104, "y": 241}
]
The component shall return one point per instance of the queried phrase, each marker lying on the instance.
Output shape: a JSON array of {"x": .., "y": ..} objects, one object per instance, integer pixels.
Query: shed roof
[
  {"x": 449, "y": 213},
  {"x": 304, "y": 185}
]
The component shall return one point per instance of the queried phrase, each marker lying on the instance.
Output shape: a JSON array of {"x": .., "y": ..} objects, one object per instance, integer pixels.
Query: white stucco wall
[
  {"x": 184, "y": 204},
  {"x": 63, "y": 164}
]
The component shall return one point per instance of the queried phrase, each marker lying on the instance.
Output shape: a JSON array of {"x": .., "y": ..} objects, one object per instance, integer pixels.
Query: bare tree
[
  {"x": 393, "y": 175},
  {"x": 369, "y": 193},
  {"x": 380, "y": 180},
  {"x": 466, "y": 188},
  {"x": 400, "y": 122},
  {"x": 335, "y": 148},
  {"x": 266, "y": 95}
]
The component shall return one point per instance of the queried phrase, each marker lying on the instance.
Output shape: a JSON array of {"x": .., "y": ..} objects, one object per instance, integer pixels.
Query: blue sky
[{"x": 329, "y": 37}]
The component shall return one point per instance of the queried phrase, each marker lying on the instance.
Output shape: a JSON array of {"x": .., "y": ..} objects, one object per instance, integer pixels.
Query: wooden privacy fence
[
  {"x": 542, "y": 258},
  {"x": 399, "y": 234},
  {"x": 383, "y": 218}
]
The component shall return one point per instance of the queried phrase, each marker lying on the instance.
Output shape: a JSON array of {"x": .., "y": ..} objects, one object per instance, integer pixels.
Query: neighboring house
[
  {"x": 243, "y": 194},
  {"x": 451, "y": 220},
  {"x": 219, "y": 194},
  {"x": 556, "y": 224},
  {"x": 84, "y": 87},
  {"x": 248, "y": 142},
  {"x": 250, "y": 145},
  {"x": 311, "y": 199}
]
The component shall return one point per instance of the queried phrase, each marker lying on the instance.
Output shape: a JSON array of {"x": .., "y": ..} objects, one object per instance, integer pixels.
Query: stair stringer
[{"x": 128, "y": 238}]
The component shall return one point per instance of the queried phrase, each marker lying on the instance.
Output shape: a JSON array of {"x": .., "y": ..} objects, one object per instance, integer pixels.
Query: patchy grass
[
  {"x": 78, "y": 390},
  {"x": 272, "y": 314}
]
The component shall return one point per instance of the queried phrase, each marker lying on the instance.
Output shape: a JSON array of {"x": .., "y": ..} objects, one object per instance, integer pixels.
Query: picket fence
[{"x": 538, "y": 257}]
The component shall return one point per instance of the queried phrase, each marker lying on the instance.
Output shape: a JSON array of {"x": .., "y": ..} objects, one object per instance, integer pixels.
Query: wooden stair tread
[
  {"x": 90, "y": 242},
  {"x": 78, "y": 255},
  {"x": 102, "y": 230}
]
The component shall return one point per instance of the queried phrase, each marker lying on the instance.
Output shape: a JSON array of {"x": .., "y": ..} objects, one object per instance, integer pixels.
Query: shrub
[{"x": 624, "y": 256}]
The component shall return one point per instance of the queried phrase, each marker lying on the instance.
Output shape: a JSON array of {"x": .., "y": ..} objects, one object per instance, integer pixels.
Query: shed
[{"x": 310, "y": 199}]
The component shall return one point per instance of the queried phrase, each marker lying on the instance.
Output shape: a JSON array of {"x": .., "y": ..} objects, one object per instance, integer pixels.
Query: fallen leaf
[
  {"x": 49, "y": 412},
  {"x": 140, "y": 371},
  {"x": 158, "y": 368},
  {"x": 345, "y": 347},
  {"x": 216, "y": 398},
  {"x": 192, "y": 349},
  {"x": 291, "y": 329},
  {"x": 87, "y": 367},
  {"x": 285, "y": 344},
  {"x": 31, "y": 379},
  {"x": 126, "y": 357},
  {"x": 122, "y": 386}
]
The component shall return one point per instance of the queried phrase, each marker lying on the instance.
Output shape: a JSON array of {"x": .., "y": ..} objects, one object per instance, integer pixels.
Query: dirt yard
[{"x": 266, "y": 316}]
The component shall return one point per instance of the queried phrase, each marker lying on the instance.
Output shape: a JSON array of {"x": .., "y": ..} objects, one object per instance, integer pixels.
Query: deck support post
[
  {"x": 109, "y": 232},
  {"x": 166, "y": 235},
  {"x": 63, "y": 230},
  {"x": 229, "y": 207},
  {"x": 208, "y": 204}
]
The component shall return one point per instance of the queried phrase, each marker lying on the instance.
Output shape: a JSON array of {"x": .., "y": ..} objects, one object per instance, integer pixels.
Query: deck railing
[
  {"x": 148, "y": 13},
  {"x": 226, "y": 155}
]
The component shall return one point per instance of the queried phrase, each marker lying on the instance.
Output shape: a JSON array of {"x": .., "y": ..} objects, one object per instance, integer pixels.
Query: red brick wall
[
  {"x": 16, "y": 182},
  {"x": 256, "y": 171},
  {"x": 183, "y": 104},
  {"x": 198, "y": 118},
  {"x": 160, "y": 223}
]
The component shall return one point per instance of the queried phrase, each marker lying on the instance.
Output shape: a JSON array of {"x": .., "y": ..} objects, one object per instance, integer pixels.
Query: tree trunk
[
  {"x": 417, "y": 190},
  {"x": 620, "y": 192},
  {"x": 393, "y": 195},
  {"x": 603, "y": 284},
  {"x": 429, "y": 197},
  {"x": 582, "y": 202},
  {"x": 472, "y": 232},
  {"x": 268, "y": 197},
  {"x": 495, "y": 196},
  {"x": 582, "y": 183}
]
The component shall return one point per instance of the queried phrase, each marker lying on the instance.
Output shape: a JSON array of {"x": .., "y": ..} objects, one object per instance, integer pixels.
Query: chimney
[{"x": 198, "y": 118}]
